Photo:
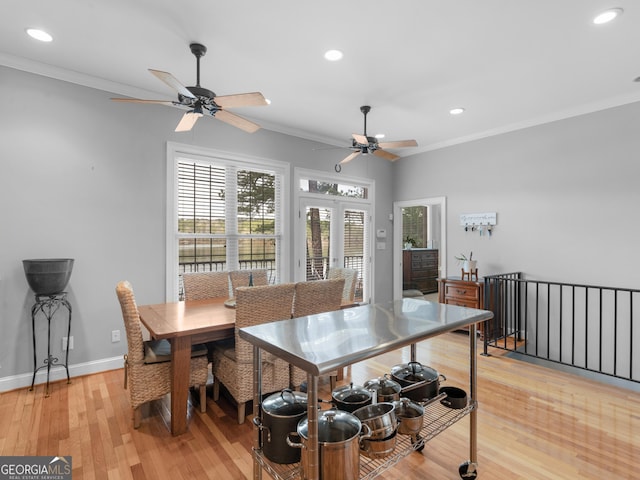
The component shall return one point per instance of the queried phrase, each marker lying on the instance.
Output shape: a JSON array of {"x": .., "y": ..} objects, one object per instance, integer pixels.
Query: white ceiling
[{"x": 510, "y": 64}]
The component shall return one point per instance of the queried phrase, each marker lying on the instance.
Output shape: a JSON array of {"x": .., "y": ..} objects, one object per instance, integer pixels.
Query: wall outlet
[
  {"x": 115, "y": 336},
  {"x": 64, "y": 343}
]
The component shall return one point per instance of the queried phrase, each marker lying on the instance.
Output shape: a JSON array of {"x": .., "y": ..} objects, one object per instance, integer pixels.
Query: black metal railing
[{"x": 588, "y": 327}]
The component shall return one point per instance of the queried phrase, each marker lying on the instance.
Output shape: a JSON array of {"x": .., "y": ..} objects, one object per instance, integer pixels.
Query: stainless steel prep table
[{"x": 324, "y": 342}]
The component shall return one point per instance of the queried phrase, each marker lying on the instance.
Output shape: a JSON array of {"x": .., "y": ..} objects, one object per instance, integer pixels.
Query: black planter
[{"x": 48, "y": 276}]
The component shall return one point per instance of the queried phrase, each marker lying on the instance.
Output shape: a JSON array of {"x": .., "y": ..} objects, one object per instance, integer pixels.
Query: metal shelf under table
[{"x": 437, "y": 418}]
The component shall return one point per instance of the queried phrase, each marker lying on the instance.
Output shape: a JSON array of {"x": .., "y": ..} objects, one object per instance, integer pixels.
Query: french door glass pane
[
  {"x": 318, "y": 235},
  {"x": 349, "y": 252},
  {"x": 354, "y": 246}
]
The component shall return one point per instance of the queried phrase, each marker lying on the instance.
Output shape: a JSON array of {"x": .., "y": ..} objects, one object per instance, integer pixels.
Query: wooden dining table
[{"x": 184, "y": 324}]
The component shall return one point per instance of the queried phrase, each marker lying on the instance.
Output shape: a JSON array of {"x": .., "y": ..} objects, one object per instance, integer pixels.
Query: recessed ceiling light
[
  {"x": 456, "y": 111},
  {"x": 268, "y": 101},
  {"x": 39, "y": 34},
  {"x": 607, "y": 16},
  {"x": 333, "y": 55}
]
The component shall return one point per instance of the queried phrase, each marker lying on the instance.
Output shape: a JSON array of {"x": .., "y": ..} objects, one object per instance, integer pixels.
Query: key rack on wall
[{"x": 479, "y": 222}]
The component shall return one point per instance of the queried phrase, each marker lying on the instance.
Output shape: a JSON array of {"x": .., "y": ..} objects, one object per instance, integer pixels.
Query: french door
[{"x": 334, "y": 233}]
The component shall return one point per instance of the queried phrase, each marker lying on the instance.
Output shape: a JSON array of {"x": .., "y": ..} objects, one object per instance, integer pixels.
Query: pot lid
[
  {"x": 383, "y": 385},
  {"x": 351, "y": 393},
  {"x": 414, "y": 372},
  {"x": 286, "y": 402},
  {"x": 333, "y": 426}
]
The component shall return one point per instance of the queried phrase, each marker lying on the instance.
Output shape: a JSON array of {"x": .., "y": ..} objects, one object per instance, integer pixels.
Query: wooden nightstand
[{"x": 464, "y": 293}]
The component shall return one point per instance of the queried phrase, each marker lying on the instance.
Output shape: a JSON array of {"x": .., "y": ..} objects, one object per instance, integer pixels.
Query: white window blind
[{"x": 228, "y": 216}]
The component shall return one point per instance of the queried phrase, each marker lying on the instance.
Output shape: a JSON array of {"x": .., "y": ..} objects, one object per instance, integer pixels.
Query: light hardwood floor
[{"x": 533, "y": 423}]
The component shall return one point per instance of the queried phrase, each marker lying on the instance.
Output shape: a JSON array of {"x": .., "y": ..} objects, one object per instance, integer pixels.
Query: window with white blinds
[{"x": 227, "y": 216}]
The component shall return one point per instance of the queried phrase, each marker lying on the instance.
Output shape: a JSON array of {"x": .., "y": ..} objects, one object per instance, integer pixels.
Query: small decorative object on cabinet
[
  {"x": 464, "y": 293},
  {"x": 420, "y": 270},
  {"x": 409, "y": 242},
  {"x": 469, "y": 266}
]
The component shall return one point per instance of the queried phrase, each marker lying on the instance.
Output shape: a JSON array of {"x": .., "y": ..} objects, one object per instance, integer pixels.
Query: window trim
[{"x": 179, "y": 150}]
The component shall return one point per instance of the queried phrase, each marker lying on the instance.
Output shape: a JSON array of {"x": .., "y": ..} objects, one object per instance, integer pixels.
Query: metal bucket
[{"x": 339, "y": 436}]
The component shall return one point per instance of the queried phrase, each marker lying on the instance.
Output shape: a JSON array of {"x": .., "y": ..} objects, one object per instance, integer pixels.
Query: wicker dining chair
[
  {"x": 313, "y": 297},
  {"x": 350, "y": 278},
  {"x": 240, "y": 278},
  {"x": 233, "y": 365},
  {"x": 147, "y": 364},
  {"x": 202, "y": 285}
]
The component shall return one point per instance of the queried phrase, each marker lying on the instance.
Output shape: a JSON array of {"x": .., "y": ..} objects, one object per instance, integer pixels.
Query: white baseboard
[{"x": 59, "y": 373}]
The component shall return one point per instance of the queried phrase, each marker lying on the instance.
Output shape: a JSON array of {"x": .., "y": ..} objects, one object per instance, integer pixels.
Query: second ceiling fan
[
  {"x": 199, "y": 101},
  {"x": 363, "y": 144}
]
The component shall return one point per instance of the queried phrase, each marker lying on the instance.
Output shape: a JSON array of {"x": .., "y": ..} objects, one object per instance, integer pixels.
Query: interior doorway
[{"x": 435, "y": 235}]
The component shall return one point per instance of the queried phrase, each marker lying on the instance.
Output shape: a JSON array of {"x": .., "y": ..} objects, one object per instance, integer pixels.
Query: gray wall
[
  {"x": 84, "y": 177},
  {"x": 566, "y": 193}
]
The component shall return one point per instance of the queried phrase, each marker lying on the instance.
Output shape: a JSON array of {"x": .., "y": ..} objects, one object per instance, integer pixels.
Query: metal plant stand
[{"x": 48, "y": 305}]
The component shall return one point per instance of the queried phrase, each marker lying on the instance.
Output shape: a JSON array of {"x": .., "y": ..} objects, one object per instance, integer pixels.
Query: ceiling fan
[
  {"x": 199, "y": 101},
  {"x": 363, "y": 144}
]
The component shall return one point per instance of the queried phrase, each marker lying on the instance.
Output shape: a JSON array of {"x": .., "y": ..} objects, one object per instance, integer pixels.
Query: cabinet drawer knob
[{"x": 461, "y": 292}]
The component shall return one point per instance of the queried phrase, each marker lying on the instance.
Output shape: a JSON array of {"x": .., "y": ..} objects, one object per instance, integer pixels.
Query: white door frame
[{"x": 398, "y": 241}]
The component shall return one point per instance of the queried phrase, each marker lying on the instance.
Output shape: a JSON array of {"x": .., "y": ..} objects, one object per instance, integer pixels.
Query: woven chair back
[
  {"x": 240, "y": 278},
  {"x": 203, "y": 285},
  {"x": 350, "y": 276},
  {"x": 318, "y": 296},
  {"x": 257, "y": 305},
  {"x": 131, "y": 319}
]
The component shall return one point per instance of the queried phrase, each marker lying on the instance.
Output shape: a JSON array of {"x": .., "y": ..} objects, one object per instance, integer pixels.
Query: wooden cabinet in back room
[{"x": 420, "y": 270}]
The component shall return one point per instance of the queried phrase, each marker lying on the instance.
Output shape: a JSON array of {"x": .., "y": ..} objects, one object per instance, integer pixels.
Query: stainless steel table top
[{"x": 321, "y": 343}]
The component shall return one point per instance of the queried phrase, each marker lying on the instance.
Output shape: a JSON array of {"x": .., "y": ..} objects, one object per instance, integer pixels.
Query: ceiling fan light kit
[
  {"x": 364, "y": 144},
  {"x": 200, "y": 101}
]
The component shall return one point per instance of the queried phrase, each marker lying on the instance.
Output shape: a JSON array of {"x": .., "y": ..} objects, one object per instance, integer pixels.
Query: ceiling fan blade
[
  {"x": 173, "y": 82},
  {"x": 187, "y": 122},
  {"x": 385, "y": 155},
  {"x": 237, "y": 121},
  {"x": 254, "y": 99},
  {"x": 138, "y": 100},
  {"x": 362, "y": 139},
  {"x": 350, "y": 157},
  {"x": 398, "y": 144}
]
